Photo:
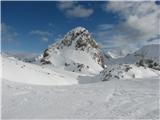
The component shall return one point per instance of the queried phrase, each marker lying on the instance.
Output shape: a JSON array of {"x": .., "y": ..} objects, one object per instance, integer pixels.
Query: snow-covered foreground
[
  {"x": 19, "y": 71},
  {"x": 118, "y": 99}
]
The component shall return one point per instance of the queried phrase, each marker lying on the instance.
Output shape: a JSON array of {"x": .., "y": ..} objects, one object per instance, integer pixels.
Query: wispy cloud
[
  {"x": 43, "y": 35},
  {"x": 138, "y": 25},
  {"x": 74, "y": 9},
  {"x": 105, "y": 26},
  {"x": 63, "y": 5},
  {"x": 7, "y": 33}
]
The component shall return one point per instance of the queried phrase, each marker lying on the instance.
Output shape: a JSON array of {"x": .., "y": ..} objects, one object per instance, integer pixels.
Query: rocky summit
[{"x": 77, "y": 49}]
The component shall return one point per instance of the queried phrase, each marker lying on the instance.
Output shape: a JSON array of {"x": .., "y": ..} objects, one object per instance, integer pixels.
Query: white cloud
[
  {"x": 79, "y": 11},
  {"x": 7, "y": 33},
  {"x": 74, "y": 9},
  {"x": 139, "y": 16},
  {"x": 132, "y": 8},
  {"x": 65, "y": 5},
  {"x": 139, "y": 24},
  {"x": 44, "y": 35}
]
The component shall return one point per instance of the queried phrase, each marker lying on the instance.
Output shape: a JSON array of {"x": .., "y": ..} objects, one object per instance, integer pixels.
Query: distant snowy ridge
[
  {"x": 115, "y": 54},
  {"x": 151, "y": 52}
]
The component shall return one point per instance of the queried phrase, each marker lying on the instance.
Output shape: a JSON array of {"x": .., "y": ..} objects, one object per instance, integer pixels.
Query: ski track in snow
[{"x": 118, "y": 99}]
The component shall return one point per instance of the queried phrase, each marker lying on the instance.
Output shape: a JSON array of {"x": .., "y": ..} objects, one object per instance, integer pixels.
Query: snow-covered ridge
[
  {"x": 151, "y": 52},
  {"x": 144, "y": 63},
  {"x": 76, "y": 47},
  {"x": 127, "y": 71}
]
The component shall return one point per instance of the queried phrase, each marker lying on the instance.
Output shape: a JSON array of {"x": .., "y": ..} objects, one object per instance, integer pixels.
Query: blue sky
[{"x": 31, "y": 26}]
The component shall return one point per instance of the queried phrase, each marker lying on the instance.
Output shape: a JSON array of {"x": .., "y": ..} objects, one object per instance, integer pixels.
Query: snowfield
[
  {"x": 87, "y": 97},
  {"x": 116, "y": 99},
  {"x": 19, "y": 71}
]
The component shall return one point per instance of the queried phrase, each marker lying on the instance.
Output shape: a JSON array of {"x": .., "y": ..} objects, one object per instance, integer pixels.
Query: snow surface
[
  {"x": 114, "y": 99},
  {"x": 71, "y": 56},
  {"x": 19, "y": 71},
  {"x": 45, "y": 96}
]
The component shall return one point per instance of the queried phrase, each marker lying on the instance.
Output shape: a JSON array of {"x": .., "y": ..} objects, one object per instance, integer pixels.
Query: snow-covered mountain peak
[
  {"x": 79, "y": 37},
  {"x": 79, "y": 29},
  {"x": 76, "y": 51}
]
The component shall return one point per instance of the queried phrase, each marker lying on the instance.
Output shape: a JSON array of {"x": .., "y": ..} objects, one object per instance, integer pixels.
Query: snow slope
[
  {"x": 127, "y": 71},
  {"x": 19, "y": 71},
  {"x": 114, "y": 99}
]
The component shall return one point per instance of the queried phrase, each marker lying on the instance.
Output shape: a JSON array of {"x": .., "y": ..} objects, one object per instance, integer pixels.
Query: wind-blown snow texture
[
  {"x": 127, "y": 88},
  {"x": 116, "y": 99}
]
